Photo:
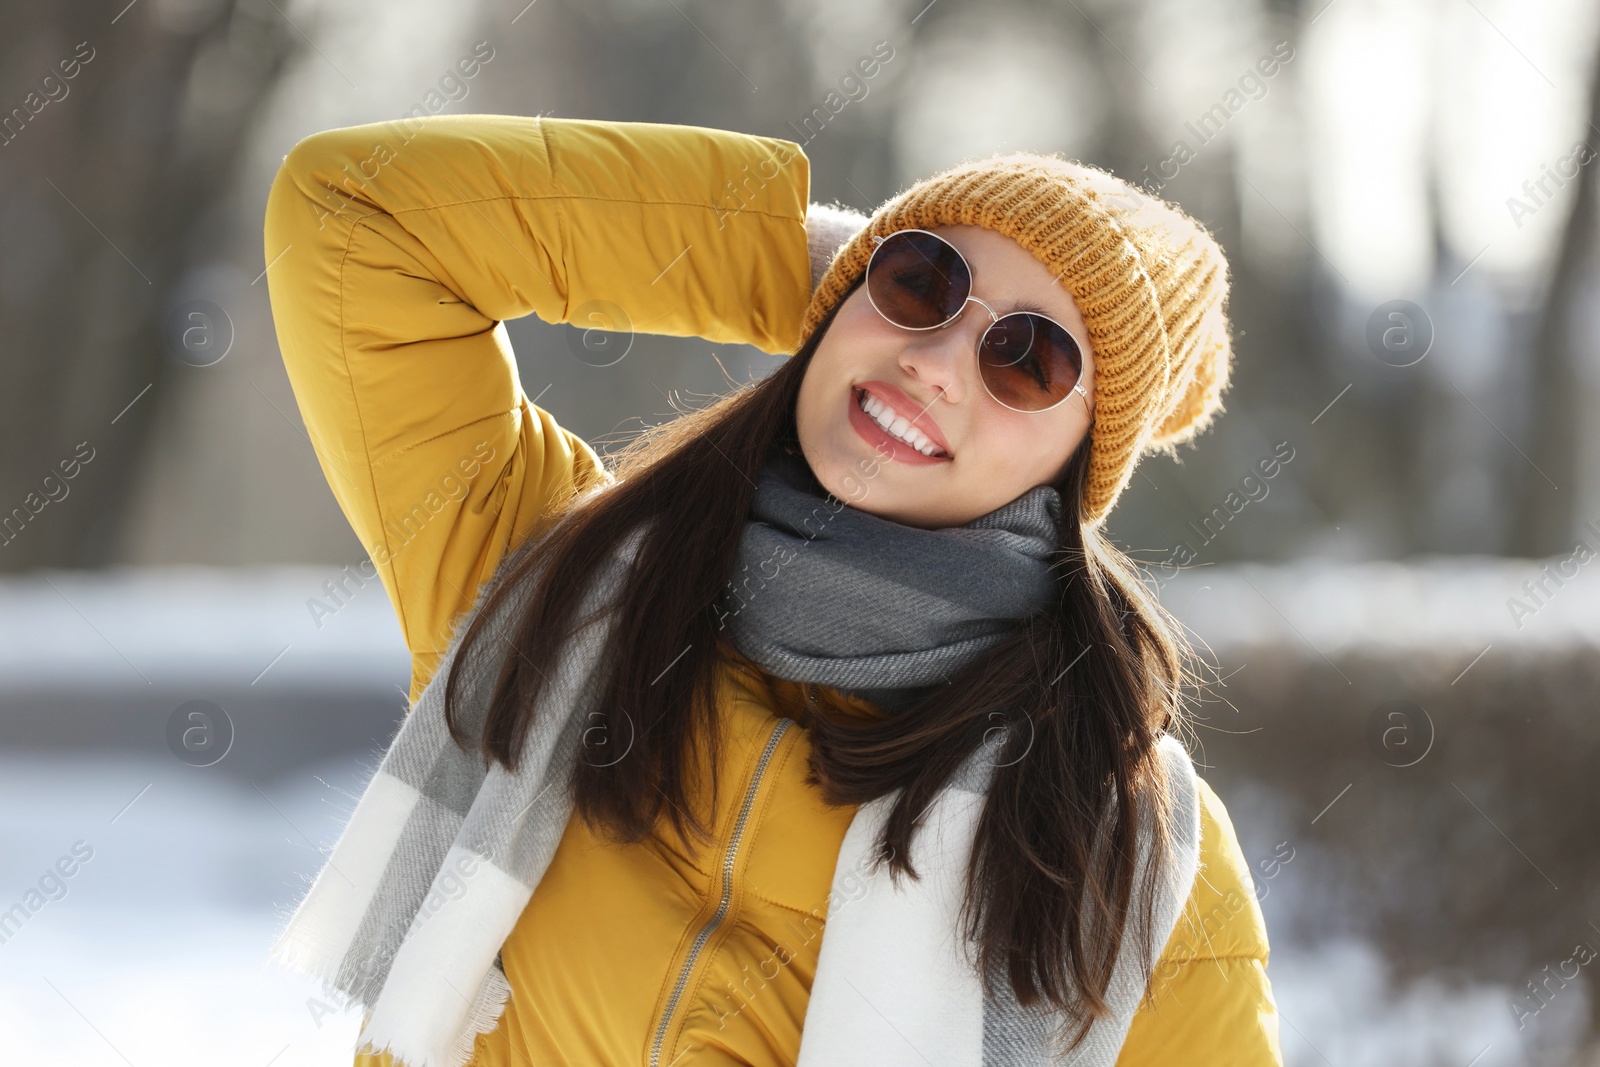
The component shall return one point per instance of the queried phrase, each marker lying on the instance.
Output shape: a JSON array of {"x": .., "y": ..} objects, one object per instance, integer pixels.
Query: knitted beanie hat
[{"x": 1150, "y": 282}]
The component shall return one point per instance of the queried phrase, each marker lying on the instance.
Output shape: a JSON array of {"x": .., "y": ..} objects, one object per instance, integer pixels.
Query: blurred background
[{"x": 1405, "y": 613}]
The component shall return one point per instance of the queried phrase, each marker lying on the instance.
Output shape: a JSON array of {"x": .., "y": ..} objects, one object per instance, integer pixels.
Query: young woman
[{"x": 827, "y": 727}]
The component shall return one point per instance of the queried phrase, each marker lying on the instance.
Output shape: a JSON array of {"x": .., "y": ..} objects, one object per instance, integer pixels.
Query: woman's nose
[{"x": 943, "y": 359}]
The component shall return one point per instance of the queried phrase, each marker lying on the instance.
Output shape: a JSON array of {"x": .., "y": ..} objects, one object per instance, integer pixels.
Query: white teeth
[{"x": 898, "y": 425}]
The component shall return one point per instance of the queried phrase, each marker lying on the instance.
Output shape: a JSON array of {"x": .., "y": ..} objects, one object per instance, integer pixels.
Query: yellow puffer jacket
[{"x": 396, "y": 252}]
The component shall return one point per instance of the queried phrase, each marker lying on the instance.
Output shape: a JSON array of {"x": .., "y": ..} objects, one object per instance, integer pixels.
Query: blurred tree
[
  {"x": 119, "y": 130},
  {"x": 1544, "y": 518},
  {"x": 111, "y": 194}
]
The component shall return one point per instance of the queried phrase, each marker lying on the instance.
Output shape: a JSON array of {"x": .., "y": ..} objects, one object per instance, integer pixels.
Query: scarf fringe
[
  {"x": 487, "y": 1008},
  {"x": 303, "y": 954}
]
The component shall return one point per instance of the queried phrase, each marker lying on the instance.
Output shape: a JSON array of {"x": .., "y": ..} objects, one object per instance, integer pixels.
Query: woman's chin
[{"x": 873, "y": 482}]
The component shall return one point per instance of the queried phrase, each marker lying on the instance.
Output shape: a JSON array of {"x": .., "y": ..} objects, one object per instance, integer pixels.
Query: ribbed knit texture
[{"x": 1150, "y": 282}]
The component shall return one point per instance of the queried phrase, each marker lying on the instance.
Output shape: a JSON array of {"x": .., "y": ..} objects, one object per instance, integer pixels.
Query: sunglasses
[{"x": 919, "y": 281}]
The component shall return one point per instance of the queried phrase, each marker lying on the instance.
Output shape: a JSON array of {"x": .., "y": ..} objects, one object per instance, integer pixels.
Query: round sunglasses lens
[
  {"x": 917, "y": 280},
  {"x": 1029, "y": 362}
]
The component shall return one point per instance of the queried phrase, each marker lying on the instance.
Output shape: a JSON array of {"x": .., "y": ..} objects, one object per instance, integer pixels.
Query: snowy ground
[
  {"x": 154, "y": 950},
  {"x": 156, "y": 954}
]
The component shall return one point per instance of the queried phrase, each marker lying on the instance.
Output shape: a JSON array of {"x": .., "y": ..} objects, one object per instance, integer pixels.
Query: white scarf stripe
[
  {"x": 324, "y": 926},
  {"x": 431, "y": 1002},
  {"x": 890, "y": 976}
]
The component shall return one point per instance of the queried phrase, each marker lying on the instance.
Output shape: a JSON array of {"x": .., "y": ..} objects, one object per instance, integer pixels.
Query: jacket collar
[{"x": 796, "y": 699}]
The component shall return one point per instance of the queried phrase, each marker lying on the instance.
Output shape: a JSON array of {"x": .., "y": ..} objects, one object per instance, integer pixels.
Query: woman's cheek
[{"x": 1019, "y": 451}]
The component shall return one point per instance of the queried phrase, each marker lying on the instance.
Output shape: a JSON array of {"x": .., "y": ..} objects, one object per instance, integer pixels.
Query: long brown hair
[{"x": 1089, "y": 685}]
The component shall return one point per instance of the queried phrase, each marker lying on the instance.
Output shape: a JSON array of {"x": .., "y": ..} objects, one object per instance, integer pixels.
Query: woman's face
[{"x": 991, "y": 454}]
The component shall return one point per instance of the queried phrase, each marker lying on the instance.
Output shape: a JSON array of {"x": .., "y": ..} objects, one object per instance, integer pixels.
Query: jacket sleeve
[
  {"x": 1210, "y": 1004},
  {"x": 396, "y": 251}
]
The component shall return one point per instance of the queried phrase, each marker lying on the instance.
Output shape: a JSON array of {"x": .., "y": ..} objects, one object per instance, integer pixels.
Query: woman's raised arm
[{"x": 396, "y": 251}]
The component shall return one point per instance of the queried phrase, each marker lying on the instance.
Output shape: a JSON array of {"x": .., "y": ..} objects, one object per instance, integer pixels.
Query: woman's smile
[{"x": 895, "y": 426}]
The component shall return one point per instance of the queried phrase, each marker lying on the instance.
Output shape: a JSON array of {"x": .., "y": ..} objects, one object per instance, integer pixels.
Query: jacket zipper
[{"x": 728, "y": 859}]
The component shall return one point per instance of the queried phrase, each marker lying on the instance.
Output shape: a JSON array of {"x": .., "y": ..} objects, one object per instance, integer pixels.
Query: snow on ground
[
  {"x": 154, "y": 950},
  {"x": 157, "y": 952}
]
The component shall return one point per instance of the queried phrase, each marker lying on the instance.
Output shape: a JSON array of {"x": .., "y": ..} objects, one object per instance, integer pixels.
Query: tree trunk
[
  {"x": 1545, "y": 518},
  {"x": 106, "y": 177}
]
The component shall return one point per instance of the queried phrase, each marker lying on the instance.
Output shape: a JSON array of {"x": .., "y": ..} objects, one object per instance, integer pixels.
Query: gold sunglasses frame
[{"x": 878, "y": 242}]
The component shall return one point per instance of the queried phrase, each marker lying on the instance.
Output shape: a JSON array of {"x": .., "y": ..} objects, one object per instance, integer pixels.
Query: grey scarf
[
  {"x": 824, "y": 592},
  {"x": 441, "y": 856}
]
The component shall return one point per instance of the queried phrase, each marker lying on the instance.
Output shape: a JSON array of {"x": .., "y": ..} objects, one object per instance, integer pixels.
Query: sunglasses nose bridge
[{"x": 993, "y": 317}]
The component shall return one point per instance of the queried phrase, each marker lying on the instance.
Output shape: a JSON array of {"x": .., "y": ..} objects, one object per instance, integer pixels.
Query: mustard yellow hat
[{"x": 1150, "y": 282}]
